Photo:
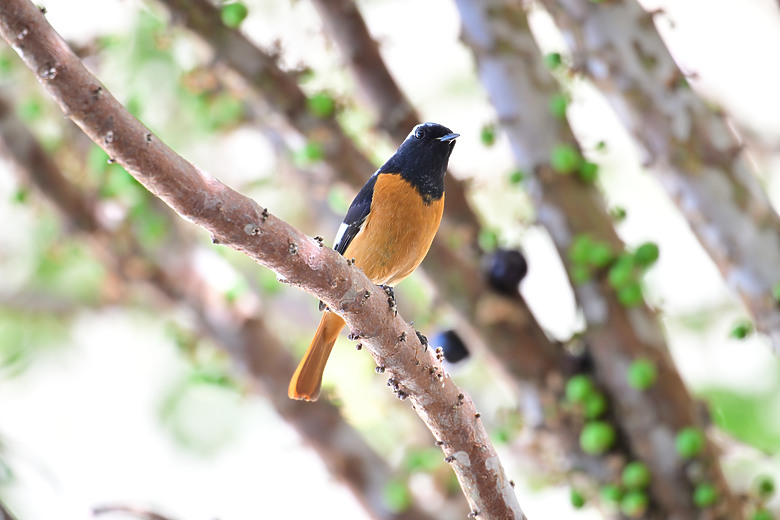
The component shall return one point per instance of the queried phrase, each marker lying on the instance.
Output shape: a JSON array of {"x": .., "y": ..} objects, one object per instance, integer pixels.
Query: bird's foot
[{"x": 390, "y": 298}]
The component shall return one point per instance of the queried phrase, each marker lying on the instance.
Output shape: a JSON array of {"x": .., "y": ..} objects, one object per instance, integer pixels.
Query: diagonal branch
[
  {"x": 687, "y": 145},
  {"x": 247, "y": 339},
  {"x": 240, "y": 223},
  {"x": 519, "y": 87},
  {"x": 515, "y": 336}
]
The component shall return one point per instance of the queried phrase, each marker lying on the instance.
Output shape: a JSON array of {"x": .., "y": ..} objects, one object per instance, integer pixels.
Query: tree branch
[
  {"x": 686, "y": 144},
  {"x": 240, "y": 223},
  {"x": 520, "y": 88},
  {"x": 247, "y": 339},
  {"x": 515, "y": 337}
]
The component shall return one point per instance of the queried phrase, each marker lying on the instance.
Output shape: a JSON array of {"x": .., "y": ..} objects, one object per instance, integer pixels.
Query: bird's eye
[{"x": 419, "y": 133}]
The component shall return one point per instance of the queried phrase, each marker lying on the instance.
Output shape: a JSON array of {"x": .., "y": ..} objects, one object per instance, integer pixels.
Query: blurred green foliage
[
  {"x": 24, "y": 336},
  {"x": 750, "y": 418},
  {"x": 201, "y": 411}
]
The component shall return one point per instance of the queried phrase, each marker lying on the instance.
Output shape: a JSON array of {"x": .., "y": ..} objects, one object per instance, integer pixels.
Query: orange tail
[{"x": 306, "y": 381}]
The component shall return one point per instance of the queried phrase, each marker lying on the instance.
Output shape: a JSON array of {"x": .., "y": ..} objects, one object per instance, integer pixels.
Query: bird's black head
[{"x": 422, "y": 158}]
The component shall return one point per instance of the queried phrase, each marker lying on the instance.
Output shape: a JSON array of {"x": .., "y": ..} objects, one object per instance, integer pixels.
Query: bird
[{"x": 387, "y": 230}]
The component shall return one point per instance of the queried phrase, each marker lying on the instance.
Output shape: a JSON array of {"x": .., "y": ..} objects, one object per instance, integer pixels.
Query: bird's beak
[{"x": 448, "y": 137}]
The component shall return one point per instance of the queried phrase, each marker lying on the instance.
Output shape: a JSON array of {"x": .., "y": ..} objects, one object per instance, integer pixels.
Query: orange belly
[{"x": 397, "y": 233}]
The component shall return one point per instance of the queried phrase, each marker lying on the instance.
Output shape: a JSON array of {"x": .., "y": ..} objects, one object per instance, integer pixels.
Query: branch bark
[
  {"x": 687, "y": 145},
  {"x": 246, "y": 338},
  {"x": 240, "y": 223},
  {"x": 520, "y": 87}
]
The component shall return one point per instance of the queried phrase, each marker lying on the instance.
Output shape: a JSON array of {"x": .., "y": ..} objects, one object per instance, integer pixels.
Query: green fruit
[
  {"x": 20, "y": 195},
  {"x": 595, "y": 405},
  {"x": 396, "y": 496},
  {"x": 761, "y": 514},
  {"x": 321, "y": 104},
  {"x": 589, "y": 171},
  {"x": 597, "y": 437},
  {"x": 621, "y": 274},
  {"x": 488, "y": 135},
  {"x": 580, "y": 274},
  {"x": 578, "y": 388},
  {"x": 610, "y": 494},
  {"x": 689, "y": 442},
  {"x": 233, "y": 14},
  {"x": 579, "y": 251},
  {"x": 634, "y": 504},
  {"x": 557, "y": 106},
  {"x": 630, "y": 295},
  {"x": 618, "y": 214},
  {"x": 599, "y": 255},
  {"x": 635, "y": 475},
  {"x": 642, "y": 374},
  {"x": 776, "y": 292},
  {"x": 553, "y": 60},
  {"x": 646, "y": 254},
  {"x": 705, "y": 495},
  {"x": 487, "y": 240},
  {"x": 423, "y": 460},
  {"x": 577, "y": 499},
  {"x": 500, "y": 436},
  {"x": 565, "y": 159},
  {"x": 516, "y": 177},
  {"x": 765, "y": 486},
  {"x": 30, "y": 109},
  {"x": 311, "y": 152},
  {"x": 742, "y": 330}
]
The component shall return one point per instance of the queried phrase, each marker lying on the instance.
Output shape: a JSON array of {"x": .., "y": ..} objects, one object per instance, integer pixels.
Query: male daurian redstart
[{"x": 387, "y": 230}]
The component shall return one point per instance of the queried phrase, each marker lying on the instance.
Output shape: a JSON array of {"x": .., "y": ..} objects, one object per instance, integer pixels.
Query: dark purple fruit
[
  {"x": 505, "y": 269},
  {"x": 452, "y": 346}
]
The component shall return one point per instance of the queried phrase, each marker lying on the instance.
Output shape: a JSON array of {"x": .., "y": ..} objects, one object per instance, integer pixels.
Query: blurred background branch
[
  {"x": 619, "y": 331},
  {"x": 687, "y": 144}
]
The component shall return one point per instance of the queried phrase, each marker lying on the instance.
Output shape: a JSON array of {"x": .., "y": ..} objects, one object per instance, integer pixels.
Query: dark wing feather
[{"x": 356, "y": 215}]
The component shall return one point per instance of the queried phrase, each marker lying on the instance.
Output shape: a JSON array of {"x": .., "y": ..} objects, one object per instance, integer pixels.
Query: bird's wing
[{"x": 356, "y": 216}]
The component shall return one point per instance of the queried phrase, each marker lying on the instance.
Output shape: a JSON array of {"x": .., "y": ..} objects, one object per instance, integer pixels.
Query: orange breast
[{"x": 398, "y": 231}]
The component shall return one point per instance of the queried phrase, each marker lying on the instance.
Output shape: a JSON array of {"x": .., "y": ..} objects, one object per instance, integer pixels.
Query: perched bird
[{"x": 387, "y": 230}]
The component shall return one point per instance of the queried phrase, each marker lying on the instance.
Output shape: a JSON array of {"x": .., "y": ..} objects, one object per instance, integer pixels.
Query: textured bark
[
  {"x": 687, "y": 145},
  {"x": 519, "y": 87},
  {"x": 254, "y": 350},
  {"x": 513, "y": 334},
  {"x": 240, "y": 223}
]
